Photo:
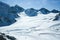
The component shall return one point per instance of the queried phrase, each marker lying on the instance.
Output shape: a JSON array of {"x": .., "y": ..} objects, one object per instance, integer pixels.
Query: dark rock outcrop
[
  {"x": 8, "y": 14},
  {"x": 57, "y": 17},
  {"x": 15, "y": 10},
  {"x": 6, "y": 37},
  {"x": 31, "y": 12},
  {"x": 55, "y": 11},
  {"x": 44, "y": 11}
]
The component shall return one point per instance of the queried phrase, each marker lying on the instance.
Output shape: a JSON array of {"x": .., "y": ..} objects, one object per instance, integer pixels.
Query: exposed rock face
[
  {"x": 6, "y": 37},
  {"x": 55, "y": 11},
  {"x": 8, "y": 14},
  {"x": 44, "y": 11},
  {"x": 57, "y": 17},
  {"x": 31, "y": 12}
]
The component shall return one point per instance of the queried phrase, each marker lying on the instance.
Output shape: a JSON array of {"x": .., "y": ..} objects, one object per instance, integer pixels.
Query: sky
[{"x": 37, "y": 4}]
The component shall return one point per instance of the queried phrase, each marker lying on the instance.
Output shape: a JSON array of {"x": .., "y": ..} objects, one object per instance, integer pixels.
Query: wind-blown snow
[{"x": 40, "y": 27}]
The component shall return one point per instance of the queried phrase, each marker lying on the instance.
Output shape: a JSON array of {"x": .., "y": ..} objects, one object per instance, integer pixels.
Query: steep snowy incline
[
  {"x": 40, "y": 27},
  {"x": 26, "y": 22}
]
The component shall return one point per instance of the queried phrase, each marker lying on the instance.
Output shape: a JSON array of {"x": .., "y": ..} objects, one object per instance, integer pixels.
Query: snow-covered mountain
[
  {"x": 31, "y": 12},
  {"x": 55, "y": 11},
  {"x": 8, "y": 14},
  {"x": 44, "y": 11},
  {"x": 30, "y": 24}
]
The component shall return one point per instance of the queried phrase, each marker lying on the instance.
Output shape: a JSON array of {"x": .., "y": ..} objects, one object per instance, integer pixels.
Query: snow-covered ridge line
[
  {"x": 31, "y": 24},
  {"x": 8, "y": 14}
]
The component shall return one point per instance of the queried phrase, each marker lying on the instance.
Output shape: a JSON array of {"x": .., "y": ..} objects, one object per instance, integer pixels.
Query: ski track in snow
[{"x": 40, "y": 27}]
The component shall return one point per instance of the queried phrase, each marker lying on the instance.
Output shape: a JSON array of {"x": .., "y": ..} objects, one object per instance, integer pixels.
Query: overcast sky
[{"x": 37, "y": 4}]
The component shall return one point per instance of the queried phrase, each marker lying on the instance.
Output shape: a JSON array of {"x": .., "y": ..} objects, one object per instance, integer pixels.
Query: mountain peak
[
  {"x": 8, "y": 14},
  {"x": 55, "y": 11},
  {"x": 44, "y": 11},
  {"x": 18, "y": 8},
  {"x": 31, "y": 12}
]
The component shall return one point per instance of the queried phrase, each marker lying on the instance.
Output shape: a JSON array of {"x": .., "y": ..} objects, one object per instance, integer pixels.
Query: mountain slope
[
  {"x": 8, "y": 14},
  {"x": 29, "y": 24},
  {"x": 32, "y": 28}
]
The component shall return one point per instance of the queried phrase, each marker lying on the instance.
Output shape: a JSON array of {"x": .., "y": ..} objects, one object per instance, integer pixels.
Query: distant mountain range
[{"x": 9, "y": 13}]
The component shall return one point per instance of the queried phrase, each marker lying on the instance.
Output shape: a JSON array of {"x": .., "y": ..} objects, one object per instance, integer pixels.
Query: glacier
[
  {"x": 29, "y": 24},
  {"x": 40, "y": 27}
]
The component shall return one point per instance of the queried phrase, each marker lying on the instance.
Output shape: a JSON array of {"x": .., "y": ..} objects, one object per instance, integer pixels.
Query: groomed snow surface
[{"x": 40, "y": 27}]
